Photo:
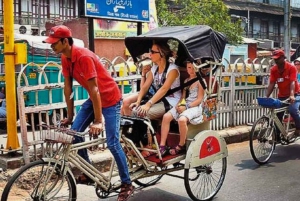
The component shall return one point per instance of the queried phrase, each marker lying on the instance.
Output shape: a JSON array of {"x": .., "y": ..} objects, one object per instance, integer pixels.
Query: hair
[
  {"x": 164, "y": 49},
  {"x": 70, "y": 40}
]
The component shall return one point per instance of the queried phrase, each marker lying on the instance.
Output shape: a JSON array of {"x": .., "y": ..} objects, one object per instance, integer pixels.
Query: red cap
[
  {"x": 277, "y": 53},
  {"x": 57, "y": 33}
]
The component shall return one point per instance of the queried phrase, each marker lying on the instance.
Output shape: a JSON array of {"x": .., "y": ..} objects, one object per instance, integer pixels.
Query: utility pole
[
  {"x": 9, "y": 54},
  {"x": 287, "y": 29}
]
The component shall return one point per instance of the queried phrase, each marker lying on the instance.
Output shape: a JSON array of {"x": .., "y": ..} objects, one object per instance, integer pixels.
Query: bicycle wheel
[
  {"x": 40, "y": 180},
  {"x": 262, "y": 140},
  {"x": 204, "y": 182}
]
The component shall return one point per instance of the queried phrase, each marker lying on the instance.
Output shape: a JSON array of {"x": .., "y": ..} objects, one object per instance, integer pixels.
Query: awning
[
  {"x": 250, "y": 40},
  {"x": 256, "y": 9},
  {"x": 264, "y": 53}
]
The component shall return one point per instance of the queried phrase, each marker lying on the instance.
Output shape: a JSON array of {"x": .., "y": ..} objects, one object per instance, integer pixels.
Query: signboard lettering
[{"x": 125, "y": 10}]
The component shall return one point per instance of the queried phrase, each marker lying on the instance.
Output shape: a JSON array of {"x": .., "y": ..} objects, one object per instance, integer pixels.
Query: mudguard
[{"x": 206, "y": 147}]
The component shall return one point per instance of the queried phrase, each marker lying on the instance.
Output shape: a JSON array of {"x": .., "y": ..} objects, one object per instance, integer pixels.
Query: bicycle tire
[
  {"x": 262, "y": 140},
  {"x": 27, "y": 183},
  {"x": 204, "y": 182}
]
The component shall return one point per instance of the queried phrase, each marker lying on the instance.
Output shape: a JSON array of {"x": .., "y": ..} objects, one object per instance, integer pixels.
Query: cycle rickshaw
[{"x": 204, "y": 163}]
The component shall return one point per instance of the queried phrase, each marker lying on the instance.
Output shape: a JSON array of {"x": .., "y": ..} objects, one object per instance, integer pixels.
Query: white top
[{"x": 173, "y": 98}]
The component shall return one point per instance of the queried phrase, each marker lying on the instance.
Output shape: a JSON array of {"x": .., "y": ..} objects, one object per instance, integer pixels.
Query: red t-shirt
[
  {"x": 284, "y": 79},
  {"x": 85, "y": 65}
]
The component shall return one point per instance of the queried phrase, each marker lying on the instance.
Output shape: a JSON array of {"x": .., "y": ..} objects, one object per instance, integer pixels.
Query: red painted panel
[{"x": 210, "y": 146}]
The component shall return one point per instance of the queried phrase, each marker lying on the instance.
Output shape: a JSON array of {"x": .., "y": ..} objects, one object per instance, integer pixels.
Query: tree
[{"x": 213, "y": 13}]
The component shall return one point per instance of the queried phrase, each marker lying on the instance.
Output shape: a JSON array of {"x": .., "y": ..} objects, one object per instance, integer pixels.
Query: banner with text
[
  {"x": 112, "y": 29},
  {"x": 126, "y": 10}
]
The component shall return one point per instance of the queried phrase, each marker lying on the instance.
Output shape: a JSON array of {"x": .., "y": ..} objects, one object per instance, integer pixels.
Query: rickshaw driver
[
  {"x": 105, "y": 98},
  {"x": 285, "y": 75}
]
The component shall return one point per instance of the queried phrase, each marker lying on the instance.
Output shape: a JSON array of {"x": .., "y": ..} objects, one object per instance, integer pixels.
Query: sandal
[
  {"x": 177, "y": 150},
  {"x": 164, "y": 150},
  {"x": 84, "y": 179},
  {"x": 126, "y": 192}
]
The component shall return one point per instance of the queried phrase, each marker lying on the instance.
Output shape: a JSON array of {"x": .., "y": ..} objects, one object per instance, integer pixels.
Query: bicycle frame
[
  {"x": 272, "y": 114},
  {"x": 67, "y": 154}
]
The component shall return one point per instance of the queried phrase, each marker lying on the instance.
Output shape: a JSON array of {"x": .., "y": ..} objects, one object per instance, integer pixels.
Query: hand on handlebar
[
  {"x": 292, "y": 99},
  {"x": 65, "y": 122},
  {"x": 95, "y": 129}
]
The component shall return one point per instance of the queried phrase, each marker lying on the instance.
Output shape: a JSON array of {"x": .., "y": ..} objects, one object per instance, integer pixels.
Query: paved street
[{"x": 277, "y": 181}]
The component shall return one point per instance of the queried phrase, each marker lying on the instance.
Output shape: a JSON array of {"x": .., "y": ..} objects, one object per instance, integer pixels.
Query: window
[
  {"x": 298, "y": 33},
  {"x": 264, "y": 29},
  {"x": 37, "y": 12},
  {"x": 276, "y": 31}
]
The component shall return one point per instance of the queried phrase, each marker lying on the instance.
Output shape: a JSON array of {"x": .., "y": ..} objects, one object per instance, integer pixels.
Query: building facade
[
  {"x": 264, "y": 20},
  {"x": 36, "y": 17},
  {"x": 261, "y": 19},
  {"x": 34, "y": 14}
]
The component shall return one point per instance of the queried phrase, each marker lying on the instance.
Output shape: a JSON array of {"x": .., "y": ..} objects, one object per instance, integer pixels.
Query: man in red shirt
[
  {"x": 104, "y": 98},
  {"x": 284, "y": 74}
]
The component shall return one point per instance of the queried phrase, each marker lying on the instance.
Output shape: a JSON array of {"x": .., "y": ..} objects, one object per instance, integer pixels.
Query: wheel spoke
[
  {"x": 262, "y": 140},
  {"x": 204, "y": 182},
  {"x": 39, "y": 181}
]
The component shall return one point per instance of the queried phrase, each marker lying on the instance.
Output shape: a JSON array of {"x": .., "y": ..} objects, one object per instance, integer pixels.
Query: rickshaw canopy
[{"x": 195, "y": 42}]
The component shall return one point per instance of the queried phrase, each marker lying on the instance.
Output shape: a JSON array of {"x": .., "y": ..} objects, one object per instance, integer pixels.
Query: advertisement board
[
  {"x": 125, "y": 10},
  {"x": 114, "y": 29}
]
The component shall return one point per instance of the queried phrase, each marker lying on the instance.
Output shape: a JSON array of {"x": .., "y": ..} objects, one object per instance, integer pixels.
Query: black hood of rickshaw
[{"x": 195, "y": 42}]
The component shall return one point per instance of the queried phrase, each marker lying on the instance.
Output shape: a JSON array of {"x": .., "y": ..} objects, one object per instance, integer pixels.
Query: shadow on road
[
  {"x": 281, "y": 154},
  {"x": 156, "y": 194}
]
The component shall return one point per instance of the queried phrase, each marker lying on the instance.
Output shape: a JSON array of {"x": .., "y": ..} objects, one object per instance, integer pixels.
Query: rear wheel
[
  {"x": 204, "y": 182},
  {"x": 40, "y": 180},
  {"x": 262, "y": 140}
]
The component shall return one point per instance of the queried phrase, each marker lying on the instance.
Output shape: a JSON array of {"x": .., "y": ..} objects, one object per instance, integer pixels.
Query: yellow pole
[{"x": 9, "y": 62}]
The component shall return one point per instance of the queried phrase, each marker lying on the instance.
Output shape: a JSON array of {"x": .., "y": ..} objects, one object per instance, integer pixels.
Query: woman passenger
[{"x": 164, "y": 76}]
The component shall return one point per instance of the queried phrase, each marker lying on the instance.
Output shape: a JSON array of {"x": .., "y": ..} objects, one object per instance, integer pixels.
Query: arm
[
  {"x": 199, "y": 98},
  {"x": 69, "y": 100},
  {"x": 270, "y": 89},
  {"x": 173, "y": 74},
  {"x": 145, "y": 71},
  {"x": 293, "y": 77},
  {"x": 95, "y": 97},
  {"x": 145, "y": 88}
]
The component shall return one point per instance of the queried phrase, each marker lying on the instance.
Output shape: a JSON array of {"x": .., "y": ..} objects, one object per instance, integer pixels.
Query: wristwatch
[{"x": 150, "y": 101}]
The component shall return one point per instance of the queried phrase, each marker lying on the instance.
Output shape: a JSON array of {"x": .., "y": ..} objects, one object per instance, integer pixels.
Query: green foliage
[{"x": 213, "y": 13}]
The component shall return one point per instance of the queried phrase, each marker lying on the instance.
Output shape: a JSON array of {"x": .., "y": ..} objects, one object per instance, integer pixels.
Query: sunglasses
[{"x": 153, "y": 51}]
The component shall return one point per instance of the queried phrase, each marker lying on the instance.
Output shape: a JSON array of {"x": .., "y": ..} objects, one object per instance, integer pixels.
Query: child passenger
[{"x": 187, "y": 109}]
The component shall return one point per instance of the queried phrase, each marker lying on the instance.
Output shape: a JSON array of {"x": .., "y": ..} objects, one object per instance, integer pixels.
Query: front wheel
[
  {"x": 262, "y": 140},
  {"x": 40, "y": 180},
  {"x": 204, "y": 182}
]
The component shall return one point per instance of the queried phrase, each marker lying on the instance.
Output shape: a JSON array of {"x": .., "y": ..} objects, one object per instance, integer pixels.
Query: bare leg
[
  {"x": 182, "y": 122},
  {"x": 126, "y": 103},
  {"x": 167, "y": 118}
]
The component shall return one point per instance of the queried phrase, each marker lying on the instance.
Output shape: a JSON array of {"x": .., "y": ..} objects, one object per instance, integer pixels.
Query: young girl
[{"x": 187, "y": 109}]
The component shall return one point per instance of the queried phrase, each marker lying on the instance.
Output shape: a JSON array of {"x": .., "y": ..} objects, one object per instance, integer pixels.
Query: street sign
[{"x": 125, "y": 10}]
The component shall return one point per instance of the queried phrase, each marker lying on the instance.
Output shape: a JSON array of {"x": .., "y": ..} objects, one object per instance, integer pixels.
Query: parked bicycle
[{"x": 264, "y": 136}]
